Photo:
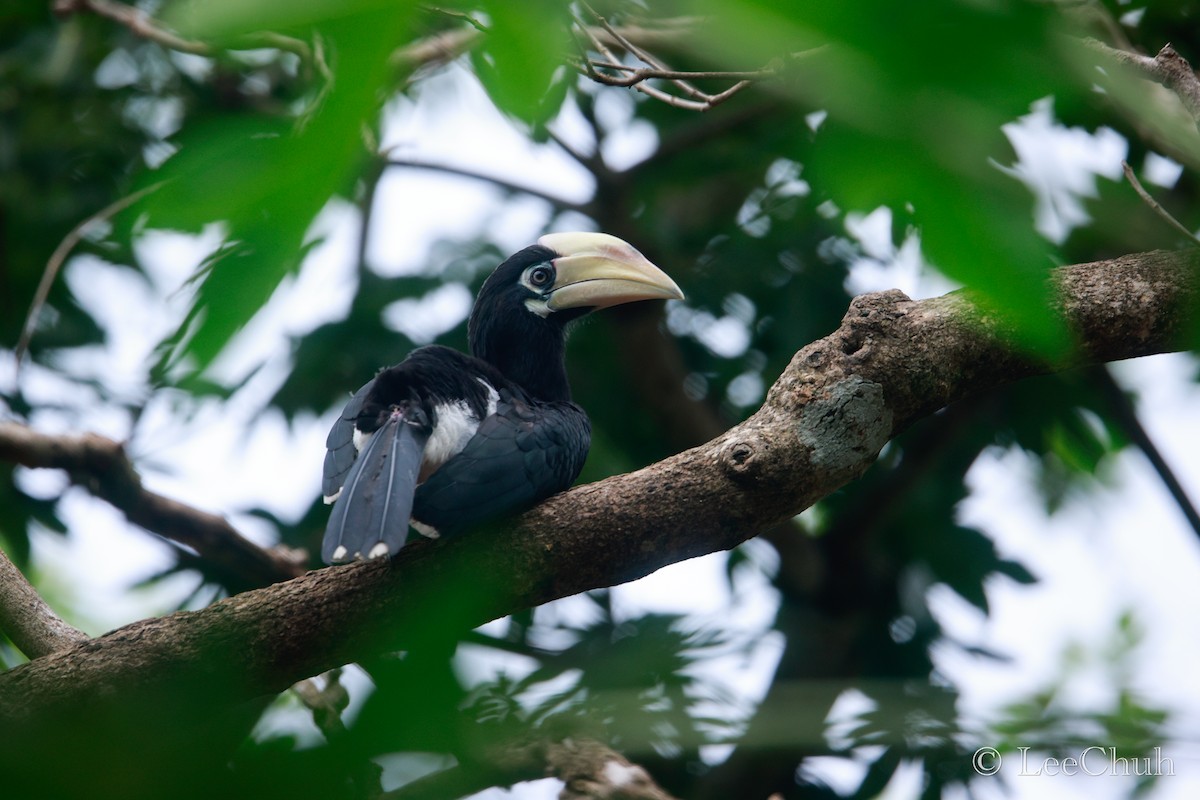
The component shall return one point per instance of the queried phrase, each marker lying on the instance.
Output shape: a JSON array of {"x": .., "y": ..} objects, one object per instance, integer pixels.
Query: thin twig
[
  {"x": 1154, "y": 206},
  {"x": 144, "y": 26},
  {"x": 645, "y": 56},
  {"x": 441, "y": 48},
  {"x": 135, "y": 20},
  {"x": 1126, "y": 414},
  {"x": 101, "y": 466},
  {"x": 591, "y": 769},
  {"x": 26, "y": 618},
  {"x": 54, "y": 264},
  {"x": 325, "y": 704},
  {"x": 691, "y": 98},
  {"x": 644, "y": 73},
  {"x": 649, "y": 91},
  {"x": 366, "y": 211},
  {"x": 503, "y": 183},
  {"x": 593, "y": 163}
]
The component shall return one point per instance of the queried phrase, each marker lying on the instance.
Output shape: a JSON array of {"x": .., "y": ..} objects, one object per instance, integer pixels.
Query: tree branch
[
  {"x": 593, "y": 771},
  {"x": 1125, "y": 412},
  {"x": 891, "y": 362},
  {"x": 143, "y": 25},
  {"x": 559, "y": 203},
  {"x": 1167, "y": 68},
  {"x": 100, "y": 465},
  {"x": 57, "y": 259},
  {"x": 26, "y": 618},
  {"x": 1154, "y": 205},
  {"x": 590, "y": 769}
]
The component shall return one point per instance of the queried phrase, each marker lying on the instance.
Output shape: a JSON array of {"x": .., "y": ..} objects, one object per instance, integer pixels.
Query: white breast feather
[{"x": 455, "y": 426}]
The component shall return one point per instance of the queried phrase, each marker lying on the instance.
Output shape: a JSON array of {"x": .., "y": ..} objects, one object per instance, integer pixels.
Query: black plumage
[{"x": 449, "y": 440}]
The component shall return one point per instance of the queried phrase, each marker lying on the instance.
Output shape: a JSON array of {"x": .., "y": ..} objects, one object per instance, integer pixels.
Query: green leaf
[
  {"x": 915, "y": 123},
  {"x": 520, "y": 61},
  {"x": 266, "y": 178}
]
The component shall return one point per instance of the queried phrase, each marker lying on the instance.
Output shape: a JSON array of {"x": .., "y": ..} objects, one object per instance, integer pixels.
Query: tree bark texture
[
  {"x": 26, "y": 618},
  {"x": 840, "y": 400}
]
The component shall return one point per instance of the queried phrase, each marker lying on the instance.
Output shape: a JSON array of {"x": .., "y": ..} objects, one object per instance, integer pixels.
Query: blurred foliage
[{"x": 876, "y": 104}]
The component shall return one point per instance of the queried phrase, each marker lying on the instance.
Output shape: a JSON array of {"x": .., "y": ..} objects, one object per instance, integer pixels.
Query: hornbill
[{"x": 445, "y": 440}]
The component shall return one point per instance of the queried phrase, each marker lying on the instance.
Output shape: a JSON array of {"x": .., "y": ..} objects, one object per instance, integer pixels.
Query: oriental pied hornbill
[{"x": 445, "y": 440}]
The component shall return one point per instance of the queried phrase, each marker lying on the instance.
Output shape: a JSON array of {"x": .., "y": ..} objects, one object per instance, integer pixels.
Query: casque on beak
[{"x": 595, "y": 270}]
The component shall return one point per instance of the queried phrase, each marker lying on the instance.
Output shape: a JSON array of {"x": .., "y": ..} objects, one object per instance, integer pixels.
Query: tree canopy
[{"x": 206, "y": 224}]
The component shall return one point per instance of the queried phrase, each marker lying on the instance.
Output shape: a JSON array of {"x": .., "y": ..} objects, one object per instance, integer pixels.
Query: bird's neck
[
  {"x": 532, "y": 357},
  {"x": 539, "y": 370}
]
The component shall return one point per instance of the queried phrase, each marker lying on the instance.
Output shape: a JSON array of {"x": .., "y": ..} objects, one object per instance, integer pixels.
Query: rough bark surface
[
  {"x": 26, "y": 618},
  {"x": 892, "y": 361}
]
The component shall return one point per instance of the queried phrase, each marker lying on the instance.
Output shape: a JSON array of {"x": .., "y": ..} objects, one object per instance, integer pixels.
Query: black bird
[{"x": 446, "y": 440}]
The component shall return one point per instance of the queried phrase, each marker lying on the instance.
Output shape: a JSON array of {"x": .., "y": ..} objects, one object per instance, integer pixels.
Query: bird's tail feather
[{"x": 370, "y": 517}]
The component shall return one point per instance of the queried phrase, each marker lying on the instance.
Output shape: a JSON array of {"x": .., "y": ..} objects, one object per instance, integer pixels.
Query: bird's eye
[{"x": 541, "y": 276}]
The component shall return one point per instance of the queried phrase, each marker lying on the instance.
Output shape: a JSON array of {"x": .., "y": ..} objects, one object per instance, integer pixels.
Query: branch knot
[{"x": 740, "y": 459}]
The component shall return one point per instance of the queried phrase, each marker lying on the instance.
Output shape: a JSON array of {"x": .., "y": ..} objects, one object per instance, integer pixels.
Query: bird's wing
[
  {"x": 370, "y": 516},
  {"x": 521, "y": 454},
  {"x": 340, "y": 451}
]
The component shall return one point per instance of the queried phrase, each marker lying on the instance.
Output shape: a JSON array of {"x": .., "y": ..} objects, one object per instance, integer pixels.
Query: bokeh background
[{"x": 321, "y": 199}]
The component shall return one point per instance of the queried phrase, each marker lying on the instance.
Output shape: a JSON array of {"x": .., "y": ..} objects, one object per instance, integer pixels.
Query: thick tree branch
[
  {"x": 891, "y": 362},
  {"x": 594, "y": 771},
  {"x": 100, "y": 465},
  {"x": 590, "y": 769},
  {"x": 26, "y": 618}
]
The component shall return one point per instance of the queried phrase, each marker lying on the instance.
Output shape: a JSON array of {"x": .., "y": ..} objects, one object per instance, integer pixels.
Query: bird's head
[{"x": 520, "y": 315}]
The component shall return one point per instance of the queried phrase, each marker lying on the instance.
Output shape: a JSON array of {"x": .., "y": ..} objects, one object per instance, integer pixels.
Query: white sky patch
[
  {"x": 619, "y": 774},
  {"x": 746, "y": 389},
  {"x": 133, "y": 328},
  {"x": 1119, "y": 549},
  {"x": 1059, "y": 165},
  {"x": 408, "y": 221},
  {"x": 885, "y": 266},
  {"x": 726, "y": 336},
  {"x": 171, "y": 257},
  {"x": 117, "y": 70},
  {"x": 542, "y": 789},
  {"x": 451, "y": 122},
  {"x": 744, "y": 613},
  {"x": 320, "y": 291},
  {"x": 1161, "y": 171},
  {"x": 627, "y": 140},
  {"x": 873, "y": 232},
  {"x": 519, "y": 222},
  {"x": 222, "y": 454},
  {"x": 574, "y": 129},
  {"x": 424, "y": 319},
  {"x": 99, "y": 598}
]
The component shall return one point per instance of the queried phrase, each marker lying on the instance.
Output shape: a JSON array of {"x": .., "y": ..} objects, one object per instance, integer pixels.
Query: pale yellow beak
[{"x": 595, "y": 270}]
